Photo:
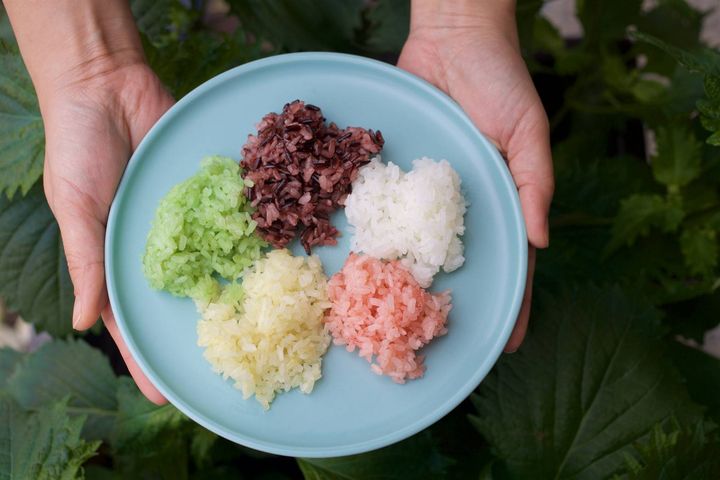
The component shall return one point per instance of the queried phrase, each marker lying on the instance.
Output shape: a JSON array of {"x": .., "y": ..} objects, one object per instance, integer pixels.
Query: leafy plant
[
  {"x": 672, "y": 452},
  {"x": 601, "y": 388},
  {"x": 303, "y": 24},
  {"x": 590, "y": 381},
  {"x": 72, "y": 370},
  {"x": 34, "y": 279},
  {"x": 706, "y": 63},
  {"x": 417, "y": 457},
  {"x": 44, "y": 445},
  {"x": 22, "y": 146}
]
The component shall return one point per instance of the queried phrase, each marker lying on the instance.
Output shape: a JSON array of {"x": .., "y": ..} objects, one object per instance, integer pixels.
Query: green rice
[{"x": 202, "y": 226}]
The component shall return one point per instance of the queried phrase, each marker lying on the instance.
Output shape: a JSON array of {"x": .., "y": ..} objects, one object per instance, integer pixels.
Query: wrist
[
  {"x": 461, "y": 14},
  {"x": 70, "y": 42}
]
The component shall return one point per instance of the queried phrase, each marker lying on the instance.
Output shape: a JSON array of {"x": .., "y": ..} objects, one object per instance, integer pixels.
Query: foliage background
[{"x": 606, "y": 384}]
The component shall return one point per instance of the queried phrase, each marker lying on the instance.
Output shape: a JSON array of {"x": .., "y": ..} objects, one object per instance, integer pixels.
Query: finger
[
  {"x": 521, "y": 324},
  {"x": 530, "y": 162},
  {"x": 83, "y": 237},
  {"x": 143, "y": 383}
]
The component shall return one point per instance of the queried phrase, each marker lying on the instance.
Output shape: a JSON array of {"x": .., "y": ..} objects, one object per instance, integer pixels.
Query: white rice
[{"x": 415, "y": 216}]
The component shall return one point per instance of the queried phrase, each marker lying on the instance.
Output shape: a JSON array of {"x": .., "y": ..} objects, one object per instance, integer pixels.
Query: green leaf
[
  {"x": 683, "y": 93},
  {"x": 96, "y": 472},
  {"x": 591, "y": 379},
  {"x": 588, "y": 194},
  {"x": 22, "y": 137},
  {"x": 526, "y": 11},
  {"x": 416, "y": 457},
  {"x": 709, "y": 114},
  {"x": 625, "y": 82},
  {"x": 641, "y": 212},
  {"x": 605, "y": 21},
  {"x": 389, "y": 25},
  {"x": 678, "y": 159},
  {"x": 701, "y": 373},
  {"x": 703, "y": 61},
  {"x": 710, "y": 108},
  {"x": 6, "y": 33},
  {"x": 714, "y": 139},
  {"x": 587, "y": 197},
  {"x": 34, "y": 279},
  {"x": 675, "y": 19},
  {"x": 44, "y": 445},
  {"x": 616, "y": 74},
  {"x": 71, "y": 369},
  {"x": 302, "y": 24},
  {"x": 239, "y": 472},
  {"x": 648, "y": 90},
  {"x": 701, "y": 197},
  {"x": 139, "y": 422},
  {"x": 458, "y": 440},
  {"x": 675, "y": 453},
  {"x": 595, "y": 186},
  {"x": 707, "y": 63},
  {"x": 712, "y": 86},
  {"x": 547, "y": 38},
  {"x": 152, "y": 17},
  {"x": 699, "y": 246},
  {"x": 149, "y": 441},
  {"x": 183, "y": 65},
  {"x": 9, "y": 360},
  {"x": 201, "y": 442}
]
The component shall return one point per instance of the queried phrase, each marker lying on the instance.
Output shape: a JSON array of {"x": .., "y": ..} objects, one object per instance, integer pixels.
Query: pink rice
[{"x": 379, "y": 308}]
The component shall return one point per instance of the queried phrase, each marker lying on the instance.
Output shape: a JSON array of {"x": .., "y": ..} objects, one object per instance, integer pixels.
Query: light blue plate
[{"x": 351, "y": 410}]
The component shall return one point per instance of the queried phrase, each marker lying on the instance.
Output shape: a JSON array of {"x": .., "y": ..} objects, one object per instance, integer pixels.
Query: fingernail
[
  {"x": 76, "y": 313},
  {"x": 512, "y": 351}
]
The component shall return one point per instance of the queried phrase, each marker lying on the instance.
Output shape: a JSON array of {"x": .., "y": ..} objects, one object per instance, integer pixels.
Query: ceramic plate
[{"x": 351, "y": 410}]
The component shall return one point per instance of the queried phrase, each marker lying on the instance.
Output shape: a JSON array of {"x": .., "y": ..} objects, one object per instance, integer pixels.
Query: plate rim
[{"x": 288, "y": 449}]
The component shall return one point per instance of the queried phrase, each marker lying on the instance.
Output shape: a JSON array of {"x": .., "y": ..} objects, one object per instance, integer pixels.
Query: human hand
[
  {"x": 91, "y": 128},
  {"x": 470, "y": 50},
  {"x": 98, "y": 99}
]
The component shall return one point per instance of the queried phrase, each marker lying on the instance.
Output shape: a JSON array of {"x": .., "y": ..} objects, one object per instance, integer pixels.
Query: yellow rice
[{"x": 267, "y": 334}]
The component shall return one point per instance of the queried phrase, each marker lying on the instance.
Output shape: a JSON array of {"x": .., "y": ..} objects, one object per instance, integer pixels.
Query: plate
[{"x": 351, "y": 410}]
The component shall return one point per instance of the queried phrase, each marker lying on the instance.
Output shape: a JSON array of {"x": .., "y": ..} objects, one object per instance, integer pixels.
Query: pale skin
[{"x": 98, "y": 99}]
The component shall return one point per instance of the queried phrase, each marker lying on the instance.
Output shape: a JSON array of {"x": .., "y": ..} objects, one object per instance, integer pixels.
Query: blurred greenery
[{"x": 600, "y": 388}]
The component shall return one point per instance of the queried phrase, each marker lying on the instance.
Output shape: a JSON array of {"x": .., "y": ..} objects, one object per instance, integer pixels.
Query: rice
[
  {"x": 302, "y": 169},
  {"x": 380, "y": 309},
  {"x": 416, "y": 216},
  {"x": 267, "y": 334},
  {"x": 202, "y": 226}
]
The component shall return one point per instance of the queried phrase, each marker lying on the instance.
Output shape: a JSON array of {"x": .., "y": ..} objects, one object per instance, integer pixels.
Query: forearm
[
  {"x": 68, "y": 41},
  {"x": 444, "y": 14}
]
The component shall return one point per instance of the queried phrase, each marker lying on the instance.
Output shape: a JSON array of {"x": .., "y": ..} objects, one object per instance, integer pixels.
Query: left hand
[
  {"x": 98, "y": 98},
  {"x": 470, "y": 50},
  {"x": 91, "y": 127}
]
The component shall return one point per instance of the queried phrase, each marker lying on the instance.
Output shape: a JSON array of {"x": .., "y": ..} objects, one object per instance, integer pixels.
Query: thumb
[
  {"x": 530, "y": 162},
  {"x": 83, "y": 236}
]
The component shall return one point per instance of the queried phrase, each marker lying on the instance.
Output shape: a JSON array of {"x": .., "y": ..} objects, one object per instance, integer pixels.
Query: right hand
[{"x": 471, "y": 51}]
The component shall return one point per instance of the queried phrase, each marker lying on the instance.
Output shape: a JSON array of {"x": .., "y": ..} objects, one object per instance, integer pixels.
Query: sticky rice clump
[
  {"x": 201, "y": 227},
  {"x": 380, "y": 309},
  {"x": 267, "y": 334},
  {"x": 415, "y": 216}
]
